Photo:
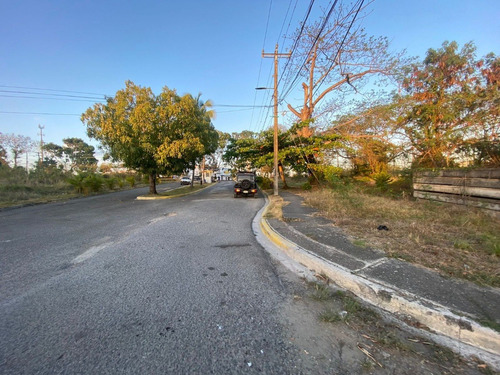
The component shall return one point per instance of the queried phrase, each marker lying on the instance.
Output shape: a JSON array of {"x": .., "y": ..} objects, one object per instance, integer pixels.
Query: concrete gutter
[{"x": 460, "y": 334}]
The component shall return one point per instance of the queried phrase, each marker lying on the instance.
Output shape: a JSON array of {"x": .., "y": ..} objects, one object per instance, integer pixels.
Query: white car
[{"x": 185, "y": 181}]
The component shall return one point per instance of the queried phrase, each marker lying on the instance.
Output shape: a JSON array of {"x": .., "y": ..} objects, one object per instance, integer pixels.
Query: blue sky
[{"x": 212, "y": 47}]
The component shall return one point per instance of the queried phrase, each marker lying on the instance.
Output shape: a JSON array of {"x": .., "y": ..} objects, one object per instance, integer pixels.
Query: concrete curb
[{"x": 460, "y": 334}]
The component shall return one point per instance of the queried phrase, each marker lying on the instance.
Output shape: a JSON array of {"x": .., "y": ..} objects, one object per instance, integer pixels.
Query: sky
[{"x": 80, "y": 50}]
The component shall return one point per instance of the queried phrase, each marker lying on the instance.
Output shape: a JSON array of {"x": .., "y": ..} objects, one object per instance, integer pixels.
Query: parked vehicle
[
  {"x": 185, "y": 181},
  {"x": 245, "y": 185}
]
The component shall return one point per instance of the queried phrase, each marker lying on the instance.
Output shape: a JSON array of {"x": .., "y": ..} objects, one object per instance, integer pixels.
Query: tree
[
  {"x": 369, "y": 137},
  {"x": 53, "y": 155},
  {"x": 17, "y": 144},
  {"x": 296, "y": 149},
  {"x": 206, "y": 140},
  {"x": 152, "y": 134},
  {"x": 215, "y": 159},
  {"x": 333, "y": 55},
  {"x": 3, "y": 156},
  {"x": 451, "y": 100},
  {"x": 80, "y": 154},
  {"x": 483, "y": 143}
]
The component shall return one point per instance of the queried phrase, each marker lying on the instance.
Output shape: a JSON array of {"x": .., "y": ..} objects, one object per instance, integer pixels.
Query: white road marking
[{"x": 90, "y": 253}]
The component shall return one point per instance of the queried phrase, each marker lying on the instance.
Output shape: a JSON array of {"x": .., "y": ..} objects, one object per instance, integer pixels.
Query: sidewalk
[{"x": 416, "y": 295}]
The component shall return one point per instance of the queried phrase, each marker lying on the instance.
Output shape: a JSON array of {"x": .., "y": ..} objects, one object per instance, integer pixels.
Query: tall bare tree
[{"x": 335, "y": 55}]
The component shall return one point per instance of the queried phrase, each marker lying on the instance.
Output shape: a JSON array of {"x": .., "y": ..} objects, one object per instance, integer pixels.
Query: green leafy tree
[
  {"x": 54, "y": 156},
  {"x": 152, "y": 134},
  {"x": 79, "y": 153},
  {"x": 300, "y": 149}
]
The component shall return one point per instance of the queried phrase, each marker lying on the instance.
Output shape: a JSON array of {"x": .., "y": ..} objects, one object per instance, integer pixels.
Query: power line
[
  {"x": 341, "y": 44},
  {"x": 47, "y": 98},
  {"x": 311, "y": 3},
  {"x": 39, "y": 113},
  {"x": 260, "y": 65},
  {"x": 43, "y": 89},
  {"x": 240, "y": 105},
  {"x": 48, "y": 94},
  {"x": 322, "y": 27},
  {"x": 297, "y": 39}
]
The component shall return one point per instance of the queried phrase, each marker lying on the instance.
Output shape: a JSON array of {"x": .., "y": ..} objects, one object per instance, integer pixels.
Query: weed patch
[{"x": 457, "y": 241}]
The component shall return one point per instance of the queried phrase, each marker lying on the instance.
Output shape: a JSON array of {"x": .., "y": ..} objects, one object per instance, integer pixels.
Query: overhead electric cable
[
  {"x": 39, "y": 113},
  {"x": 304, "y": 22},
  {"x": 325, "y": 21},
  {"x": 47, "y": 94},
  {"x": 47, "y": 98},
  {"x": 43, "y": 89},
  {"x": 341, "y": 44},
  {"x": 297, "y": 39},
  {"x": 260, "y": 66}
]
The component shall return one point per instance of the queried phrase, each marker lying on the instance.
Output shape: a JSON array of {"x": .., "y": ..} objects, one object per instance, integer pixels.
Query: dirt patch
[{"x": 336, "y": 333}]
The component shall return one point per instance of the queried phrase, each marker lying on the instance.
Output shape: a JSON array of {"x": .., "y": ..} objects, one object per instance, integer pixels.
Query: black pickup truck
[{"x": 245, "y": 185}]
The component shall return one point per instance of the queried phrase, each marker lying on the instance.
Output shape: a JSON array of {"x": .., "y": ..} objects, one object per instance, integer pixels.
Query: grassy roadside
[
  {"x": 386, "y": 346},
  {"x": 457, "y": 241}
]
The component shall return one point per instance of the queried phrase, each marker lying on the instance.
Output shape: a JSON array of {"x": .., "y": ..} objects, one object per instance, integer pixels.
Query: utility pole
[
  {"x": 40, "y": 162},
  {"x": 276, "y": 55}
]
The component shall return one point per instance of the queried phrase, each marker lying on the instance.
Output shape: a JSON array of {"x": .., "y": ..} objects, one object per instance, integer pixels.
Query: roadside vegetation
[
  {"x": 357, "y": 154},
  {"x": 18, "y": 187},
  {"x": 379, "y": 345},
  {"x": 457, "y": 241}
]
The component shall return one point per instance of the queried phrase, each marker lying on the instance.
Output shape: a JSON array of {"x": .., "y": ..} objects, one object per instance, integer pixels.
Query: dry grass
[
  {"x": 458, "y": 241},
  {"x": 275, "y": 207}
]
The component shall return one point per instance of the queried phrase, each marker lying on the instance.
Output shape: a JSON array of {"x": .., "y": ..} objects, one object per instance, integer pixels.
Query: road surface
[{"x": 114, "y": 285}]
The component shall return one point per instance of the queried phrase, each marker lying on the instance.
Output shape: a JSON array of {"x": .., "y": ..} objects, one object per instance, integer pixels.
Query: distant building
[{"x": 223, "y": 174}]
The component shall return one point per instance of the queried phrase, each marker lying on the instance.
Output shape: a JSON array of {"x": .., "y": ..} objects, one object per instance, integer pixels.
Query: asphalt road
[{"x": 113, "y": 285}]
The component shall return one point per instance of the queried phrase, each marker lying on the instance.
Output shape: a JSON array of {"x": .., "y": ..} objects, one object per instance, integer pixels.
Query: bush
[
  {"x": 93, "y": 182},
  {"x": 306, "y": 186},
  {"x": 265, "y": 183},
  {"x": 382, "y": 180},
  {"x": 77, "y": 182},
  {"x": 110, "y": 182},
  {"x": 130, "y": 180}
]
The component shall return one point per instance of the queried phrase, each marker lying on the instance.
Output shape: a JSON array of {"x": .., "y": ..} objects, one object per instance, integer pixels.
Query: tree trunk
[
  {"x": 152, "y": 183},
  {"x": 282, "y": 175}
]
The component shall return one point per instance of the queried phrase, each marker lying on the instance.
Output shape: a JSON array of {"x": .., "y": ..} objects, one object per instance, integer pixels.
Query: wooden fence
[{"x": 475, "y": 187}]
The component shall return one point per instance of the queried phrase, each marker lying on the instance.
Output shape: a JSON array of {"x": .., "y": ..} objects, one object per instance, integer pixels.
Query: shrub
[
  {"x": 130, "y": 180},
  {"x": 110, "y": 182},
  {"x": 382, "y": 180},
  {"x": 77, "y": 182},
  {"x": 93, "y": 182},
  {"x": 306, "y": 186},
  {"x": 265, "y": 183}
]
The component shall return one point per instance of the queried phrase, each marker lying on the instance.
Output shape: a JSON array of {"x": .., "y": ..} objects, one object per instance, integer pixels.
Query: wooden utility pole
[
  {"x": 40, "y": 162},
  {"x": 276, "y": 55}
]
